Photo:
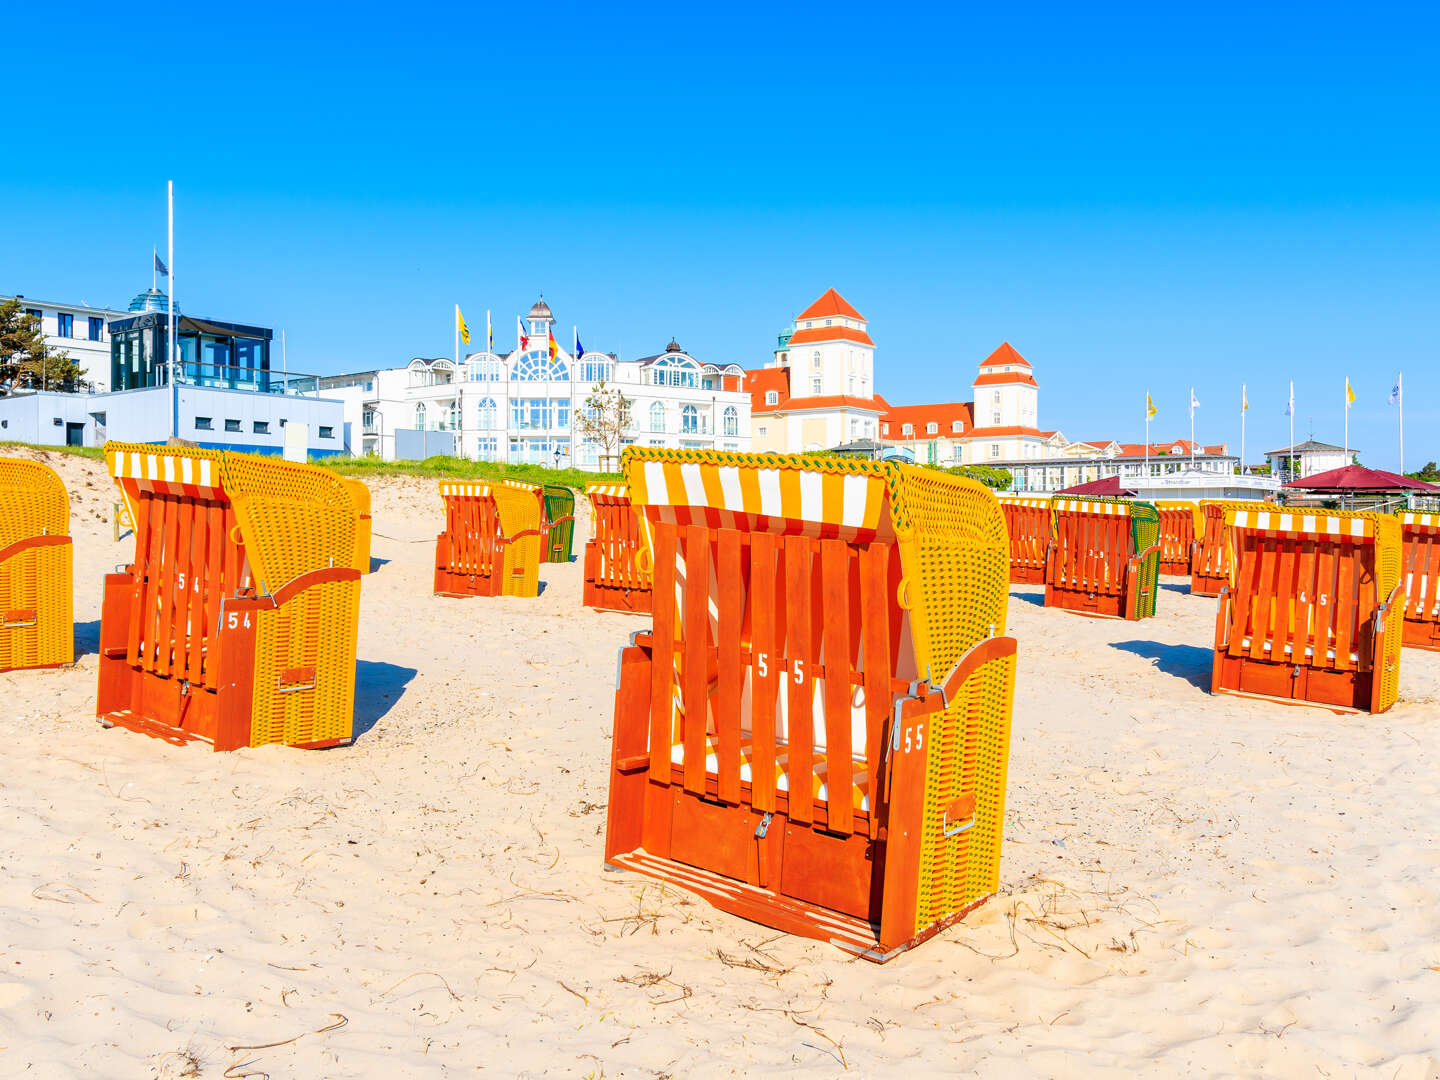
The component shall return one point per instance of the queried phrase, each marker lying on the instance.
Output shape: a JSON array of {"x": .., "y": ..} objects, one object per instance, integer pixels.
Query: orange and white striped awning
[
  {"x": 1413, "y": 519},
  {"x": 460, "y": 489},
  {"x": 1023, "y": 500},
  {"x": 190, "y": 473},
  {"x": 1090, "y": 506},
  {"x": 607, "y": 494},
  {"x": 1325, "y": 526},
  {"x": 759, "y": 497}
]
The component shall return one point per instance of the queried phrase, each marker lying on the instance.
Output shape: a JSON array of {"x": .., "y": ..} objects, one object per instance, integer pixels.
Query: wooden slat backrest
[
  {"x": 1212, "y": 558},
  {"x": 472, "y": 522},
  {"x": 1420, "y": 533},
  {"x": 770, "y": 667},
  {"x": 1093, "y": 548},
  {"x": 619, "y": 539},
  {"x": 1177, "y": 531},
  {"x": 1313, "y": 587},
  {"x": 1028, "y": 523}
]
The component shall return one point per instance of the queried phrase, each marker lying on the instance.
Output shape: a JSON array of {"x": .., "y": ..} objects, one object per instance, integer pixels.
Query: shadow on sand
[
  {"x": 378, "y": 687},
  {"x": 1189, "y": 662}
]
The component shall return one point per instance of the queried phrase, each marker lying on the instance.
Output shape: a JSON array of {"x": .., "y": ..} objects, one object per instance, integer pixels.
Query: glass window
[
  {"x": 594, "y": 370},
  {"x": 815, "y": 385},
  {"x": 535, "y": 366},
  {"x": 994, "y": 449},
  {"x": 957, "y": 426},
  {"x": 64, "y": 325},
  {"x": 252, "y": 356},
  {"x": 689, "y": 420},
  {"x": 262, "y": 427},
  {"x": 529, "y": 413},
  {"x": 815, "y": 359},
  {"x": 327, "y": 432},
  {"x": 204, "y": 423},
  {"x": 657, "y": 416},
  {"x": 995, "y": 418},
  {"x": 489, "y": 414},
  {"x": 33, "y": 312},
  {"x": 420, "y": 416},
  {"x": 772, "y": 397},
  {"x": 884, "y": 429},
  {"x": 97, "y": 328},
  {"x": 562, "y": 414},
  {"x": 932, "y": 428},
  {"x": 762, "y": 431},
  {"x": 907, "y": 429},
  {"x": 214, "y": 358},
  {"x": 232, "y": 425},
  {"x": 732, "y": 420},
  {"x": 995, "y": 396}
]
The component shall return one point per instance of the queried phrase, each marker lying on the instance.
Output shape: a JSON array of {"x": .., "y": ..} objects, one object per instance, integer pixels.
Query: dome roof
[
  {"x": 152, "y": 300},
  {"x": 673, "y": 347},
  {"x": 541, "y": 310}
]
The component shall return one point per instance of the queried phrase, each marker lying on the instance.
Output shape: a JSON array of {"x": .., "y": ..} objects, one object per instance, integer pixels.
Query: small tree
[
  {"x": 1430, "y": 473},
  {"x": 25, "y": 361},
  {"x": 603, "y": 421}
]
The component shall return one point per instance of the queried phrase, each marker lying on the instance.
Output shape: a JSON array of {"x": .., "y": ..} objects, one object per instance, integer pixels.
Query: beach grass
[{"x": 453, "y": 468}]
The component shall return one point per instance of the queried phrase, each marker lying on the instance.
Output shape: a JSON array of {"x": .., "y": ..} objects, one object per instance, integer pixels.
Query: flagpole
[
  {"x": 1292, "y": 430},
  {"x": 174, "y": 349},
  {"x": 1147, "y": 436},
  {"x": 1242, "y": 428},
  {"x": 1347, "y": 420},
  {"x": 1400, "y": 401},
  {"x": 154, "y": 268},
  {"x": 1192, "y": 429}
]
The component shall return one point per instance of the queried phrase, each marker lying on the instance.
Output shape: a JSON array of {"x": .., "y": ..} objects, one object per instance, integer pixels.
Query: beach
[{"x": 1191, "y": 885}]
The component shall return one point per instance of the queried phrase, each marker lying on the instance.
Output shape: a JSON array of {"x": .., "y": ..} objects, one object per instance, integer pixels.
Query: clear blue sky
[{"x": 1134, "y": 198}]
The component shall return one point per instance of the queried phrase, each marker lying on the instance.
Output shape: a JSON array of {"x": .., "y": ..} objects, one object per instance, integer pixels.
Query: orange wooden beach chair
[
  {"x": 1181, "y": 525},
  {"x": 1104, "y": 557},
  {"x": 1028, "y": 522},
  {"x": 815, "y": 734},
  {"x": 617, "y": 556},
  {"x": 1313, "y": 609},
  {"x": 491, "y": 543},
  {"x": 1420, "y": 537},
  {"x": 37, "y": 629},
  {"x": 1210, "y": 555},
  {"x": 236, "y": 623}
]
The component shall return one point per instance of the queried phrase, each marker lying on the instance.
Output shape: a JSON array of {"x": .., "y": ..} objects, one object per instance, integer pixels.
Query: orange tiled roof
[
  {"x": 829, "y": 333},
  {"x": 943, "y": 414},
  {"x": 997, "y": 432},
  {"x": 1005, "y": 354},
  {"x": 999, "y": 378},
  {"x": 818, "y": 401},
  {"x": 831, "y": 304},
  {"x": 1129, "y": 450}
]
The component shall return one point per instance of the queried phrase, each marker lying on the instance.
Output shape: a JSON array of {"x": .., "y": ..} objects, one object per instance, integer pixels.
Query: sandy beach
[{"x": 1191, "y": 886}]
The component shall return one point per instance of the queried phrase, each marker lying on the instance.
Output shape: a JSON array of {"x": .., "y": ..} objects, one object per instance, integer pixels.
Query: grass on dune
[{"x": 453, "y": 468}]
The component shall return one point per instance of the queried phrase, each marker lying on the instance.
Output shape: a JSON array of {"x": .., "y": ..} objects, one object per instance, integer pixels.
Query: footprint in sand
[{"x": 178, "y": 918}]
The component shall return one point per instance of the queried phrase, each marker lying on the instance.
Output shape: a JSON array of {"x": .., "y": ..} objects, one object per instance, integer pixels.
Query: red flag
[{"x": 554, "y": 349}]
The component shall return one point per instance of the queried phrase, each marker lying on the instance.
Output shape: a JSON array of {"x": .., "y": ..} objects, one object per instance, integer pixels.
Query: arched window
[
  {"x": 657, "y": 416},
  {"x": 453, "y": 423},
  {"x": 536, "y": 366},
  {"x": 815, "y": 360},
  {"x": 485, "y": 369},
  {"x": 689, "y": 420},
  {"x": 488, "y": 414},
  {"x": 420, "y": 416},
  {"x": 732, "y": 420}
]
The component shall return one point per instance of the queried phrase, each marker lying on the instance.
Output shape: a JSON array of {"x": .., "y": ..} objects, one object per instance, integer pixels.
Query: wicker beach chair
[
  {"x": 1180, "y": 526},
  {"x": 1028, "y": 522},
  {"x": 617, "y": 556},
  {"x": 36, "y": 624},
  {"x": 491, "y": 543},
  {"x": 1313, "y": 609},
  {"x": 815, "y": 734},
  {"x": 1420, "y": 537},
  {"x": 1104, "y": 557},
  {"x": 236, "y": 623}
]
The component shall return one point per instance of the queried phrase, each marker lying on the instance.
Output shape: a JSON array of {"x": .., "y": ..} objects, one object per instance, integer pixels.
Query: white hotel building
[
  {"x": 79, "y": 331},
  {"x": 520, "y": 407}
]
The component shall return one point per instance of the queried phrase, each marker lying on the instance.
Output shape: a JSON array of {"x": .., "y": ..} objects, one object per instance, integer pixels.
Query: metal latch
[{"x": 764, "y": 826}]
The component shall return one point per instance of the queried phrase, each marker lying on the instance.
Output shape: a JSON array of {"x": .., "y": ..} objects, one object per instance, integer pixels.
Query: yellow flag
[
  {"x": 1149, "y": 407},
  {"x": 1244, "y": 398},
  {"x": 460, "y": 325},
  {"x": 1349, "y": 394}
]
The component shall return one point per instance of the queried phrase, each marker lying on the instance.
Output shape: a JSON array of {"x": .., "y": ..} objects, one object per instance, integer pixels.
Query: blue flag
[
  {"x": 160, "y": 267},
  {"x": 579, "y": 349}
]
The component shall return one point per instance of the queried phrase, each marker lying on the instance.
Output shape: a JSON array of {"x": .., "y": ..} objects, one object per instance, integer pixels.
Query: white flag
[
  {"x": 1194, "y": 401},
  {"x": 1395, "y": 392},
  {"x": 1290, "y": 408}
]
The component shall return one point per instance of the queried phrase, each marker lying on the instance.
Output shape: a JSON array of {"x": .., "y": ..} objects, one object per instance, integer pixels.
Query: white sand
[{"x": 1191, "y": 885}]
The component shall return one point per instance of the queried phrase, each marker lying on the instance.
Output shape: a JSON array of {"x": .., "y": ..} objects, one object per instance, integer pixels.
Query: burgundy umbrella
[
  {"x": 1355, "y": 478},
  {"x": 1109, "y": 486}
]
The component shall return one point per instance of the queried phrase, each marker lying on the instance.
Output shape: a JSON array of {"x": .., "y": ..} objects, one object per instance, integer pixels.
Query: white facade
[
  {"x": 80, "y": 332},
  {"x": 1308, "y": 458},
  {"x": 521, "y": 406}
]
